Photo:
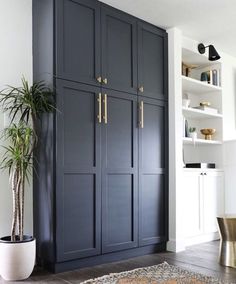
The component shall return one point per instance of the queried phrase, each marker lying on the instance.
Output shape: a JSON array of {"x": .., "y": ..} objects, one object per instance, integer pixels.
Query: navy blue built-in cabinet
[{"x": 101, "y": 188}]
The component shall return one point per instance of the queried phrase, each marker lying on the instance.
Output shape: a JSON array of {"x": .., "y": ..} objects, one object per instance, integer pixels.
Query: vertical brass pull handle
[
  {"x": 99, "y": 116},
  {"x": 99, "y": 79},
  {"x": 141, "y": 122},
  {"x": 105, "y": 81},
  {"x": 105, "y": 108},
  {"x": 141, "y": 89}
]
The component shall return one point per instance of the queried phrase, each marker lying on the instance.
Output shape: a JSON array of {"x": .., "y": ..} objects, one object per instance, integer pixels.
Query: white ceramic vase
[
  {"x": 193, "y": 135},
  {"x": 17, "y": 259}
]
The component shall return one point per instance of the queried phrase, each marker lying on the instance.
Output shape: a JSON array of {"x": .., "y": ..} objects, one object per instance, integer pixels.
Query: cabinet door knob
[
  {"x": 105, "y": 81},
  {"x": 205, "y": 174},
  {"x": 99, "y": 79},
  {"x": 141, "y": 89},
  {"x": 201, "y": 174}
]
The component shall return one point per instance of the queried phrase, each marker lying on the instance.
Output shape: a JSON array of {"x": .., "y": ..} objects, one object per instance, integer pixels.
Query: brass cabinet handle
[
  {"x": 105, "y": 81},
  {"x": 105, "y": 108},
  {"x": 99, "y": 79},
  {"x": 99, "y": 116},
  {"x": 141, "y": 121},
  {"x": 141, "y": 89}
]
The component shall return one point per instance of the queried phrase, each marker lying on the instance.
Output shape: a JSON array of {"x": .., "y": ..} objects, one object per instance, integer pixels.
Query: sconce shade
[{"x": 213, "y": 54}]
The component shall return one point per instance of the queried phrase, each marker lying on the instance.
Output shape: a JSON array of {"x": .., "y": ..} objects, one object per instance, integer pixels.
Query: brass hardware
[
  {"x": 105, "y": 108},
  {"x": 141, "y": 122},
  {"x": 99, "y": 79},
  {"x": 141, "y": 89},
  {"x": 105, "y": 81},
  {"x": 99, "y": 116}
]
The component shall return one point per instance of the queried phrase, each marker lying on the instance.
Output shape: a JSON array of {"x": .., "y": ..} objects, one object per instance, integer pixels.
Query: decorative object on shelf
[
  {"x": 186, "y": 68},
  {"x": 204, "y": 77},
  {"x": 208, "y": 132},
  {"x": 205, "y": 104},
  {"x": 201, "y": 165},
  {"x": 185, "y": 102},
  {"x": 213, "y": 54},
  {"x": 193, "y": 134}
]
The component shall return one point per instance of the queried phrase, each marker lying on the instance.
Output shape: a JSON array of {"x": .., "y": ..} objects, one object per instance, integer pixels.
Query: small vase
[{"x": 193, "y": 135}]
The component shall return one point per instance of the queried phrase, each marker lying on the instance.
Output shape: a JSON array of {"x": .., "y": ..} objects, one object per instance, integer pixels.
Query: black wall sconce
[{"x": 213, "y": 54}]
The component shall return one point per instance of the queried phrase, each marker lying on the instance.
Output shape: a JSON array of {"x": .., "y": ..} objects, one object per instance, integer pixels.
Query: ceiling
[{"x": 208, "y": 21}]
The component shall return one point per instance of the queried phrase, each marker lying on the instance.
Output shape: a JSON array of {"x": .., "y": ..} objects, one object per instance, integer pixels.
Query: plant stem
[
  {"x": 22, "y": 207},
  {"x": 15, "y": 212}
]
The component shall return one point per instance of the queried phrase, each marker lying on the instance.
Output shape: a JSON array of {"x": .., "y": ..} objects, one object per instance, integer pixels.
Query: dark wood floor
[{"x": 201, "y": 258}]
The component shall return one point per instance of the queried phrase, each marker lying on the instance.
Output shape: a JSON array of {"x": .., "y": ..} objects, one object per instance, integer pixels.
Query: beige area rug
[{"x": 162, "y": 273}]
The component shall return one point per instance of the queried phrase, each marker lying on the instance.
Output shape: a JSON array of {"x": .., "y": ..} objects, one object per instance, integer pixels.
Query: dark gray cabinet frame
[{"x": 49, "y": 180}]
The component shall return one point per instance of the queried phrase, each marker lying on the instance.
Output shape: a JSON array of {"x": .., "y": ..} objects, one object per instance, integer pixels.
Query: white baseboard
[
  {"x": 180, "y": 245},
  {"x": 175, "y": 245},
  {"x": 202, "y": 239}
]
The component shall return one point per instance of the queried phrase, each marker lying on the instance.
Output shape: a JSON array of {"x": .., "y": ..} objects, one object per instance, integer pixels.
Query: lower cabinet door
[
  {"x": 153, "y": 187},
  {"x": 213, "y": 200},
  {"x": 119, "y": 172},
  {"x": 78, "y": 188},
  {"x": 203, "y": 195},
  {"x": 192, "y": 223}
]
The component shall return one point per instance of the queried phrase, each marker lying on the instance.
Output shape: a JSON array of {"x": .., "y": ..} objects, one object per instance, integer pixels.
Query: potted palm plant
[{"x": 24, "y": 104}]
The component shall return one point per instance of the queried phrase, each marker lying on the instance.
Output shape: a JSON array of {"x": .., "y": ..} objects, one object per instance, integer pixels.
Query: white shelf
[
  {"x": 189, "y": 141},
  {"x": 197, "y": 87},
  {"x": 189, "y": 112},
  {"x": 201, "y": 60}
]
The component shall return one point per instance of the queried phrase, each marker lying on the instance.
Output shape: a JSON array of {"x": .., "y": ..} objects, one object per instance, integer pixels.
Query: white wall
[
  {"x": 229, "y": 133},
  {"x": 229, "y": 93},
  {"x": 15, "y": 61}
]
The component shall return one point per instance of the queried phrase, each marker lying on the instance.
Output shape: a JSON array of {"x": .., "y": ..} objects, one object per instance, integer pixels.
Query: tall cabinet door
[
  {"x": 119, "y": 173},
  {"x": 153, "y": 187},
  {"x": 78, "y": 40},
  {"x": 78, "y": 188},
  {"x": 152, "y": 62},
  {"x": 119, "y": 50}
]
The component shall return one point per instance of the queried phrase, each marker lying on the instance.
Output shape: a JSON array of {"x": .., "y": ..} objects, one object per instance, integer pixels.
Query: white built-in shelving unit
[{"x": 197, "y": 91}]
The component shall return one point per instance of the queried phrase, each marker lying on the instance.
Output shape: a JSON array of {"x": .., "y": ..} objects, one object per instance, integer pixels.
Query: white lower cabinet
[{"x": 203, "y": 191}]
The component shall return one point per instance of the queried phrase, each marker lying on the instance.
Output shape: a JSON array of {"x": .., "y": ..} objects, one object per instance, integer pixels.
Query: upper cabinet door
[
  {"x": 152, "y": 62},
  {"x": 78, "y": 41},
  {"x": 119, "y": 50}
]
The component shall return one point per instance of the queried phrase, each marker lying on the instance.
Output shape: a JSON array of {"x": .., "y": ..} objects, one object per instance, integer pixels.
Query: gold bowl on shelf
[{"x": 208, "y": 132}]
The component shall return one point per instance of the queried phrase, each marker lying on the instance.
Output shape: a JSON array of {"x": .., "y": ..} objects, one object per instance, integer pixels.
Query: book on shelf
[
  {"x": 207, "y": 109},
  {"x": 214, "y": 77}
]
